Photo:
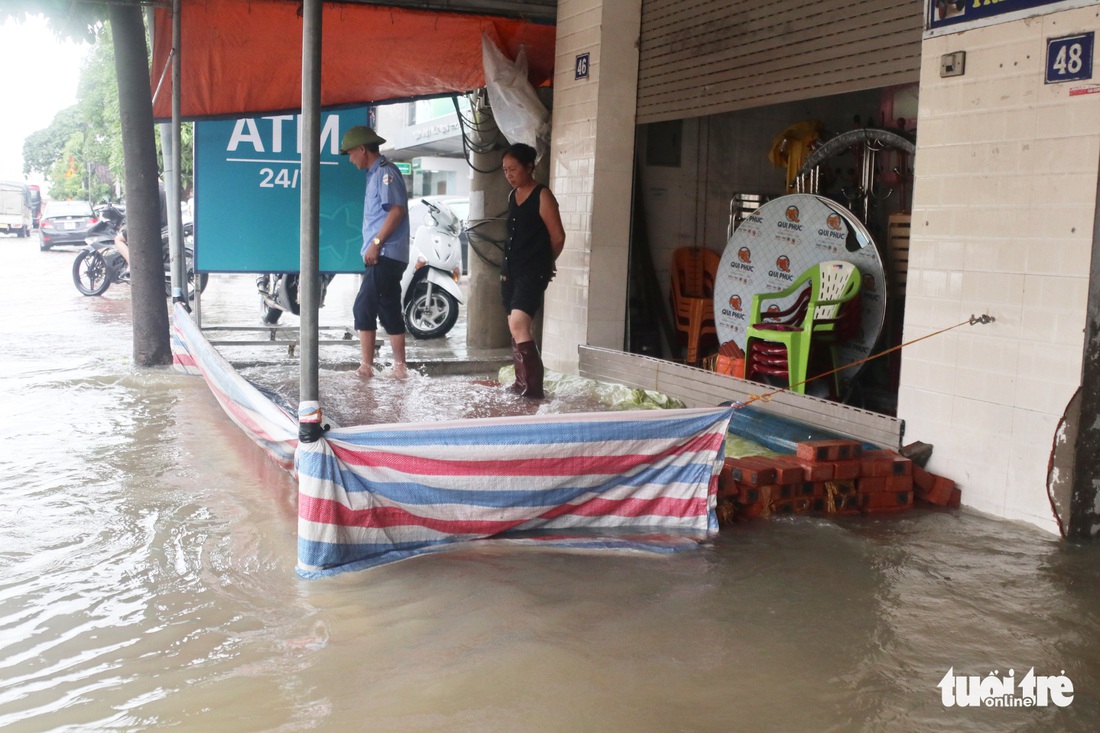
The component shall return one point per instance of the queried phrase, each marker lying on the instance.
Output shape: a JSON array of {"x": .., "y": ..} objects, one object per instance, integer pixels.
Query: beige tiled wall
[
  {"x": 1002, "y": 224},
  {"x": 591, "y": 176}
]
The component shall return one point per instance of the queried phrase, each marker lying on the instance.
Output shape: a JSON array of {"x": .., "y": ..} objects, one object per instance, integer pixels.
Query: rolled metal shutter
[{"x": 702, "y": 57}]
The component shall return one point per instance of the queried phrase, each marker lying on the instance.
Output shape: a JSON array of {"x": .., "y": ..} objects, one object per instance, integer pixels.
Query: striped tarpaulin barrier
[
  {"x": 376, "y": 494},
  {"x": 370, "y": 495},
  {"x": 271, "y": 427}
]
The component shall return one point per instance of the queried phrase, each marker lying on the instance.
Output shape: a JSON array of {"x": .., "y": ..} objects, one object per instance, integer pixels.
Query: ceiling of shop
[{"x": 542, "y": 11}]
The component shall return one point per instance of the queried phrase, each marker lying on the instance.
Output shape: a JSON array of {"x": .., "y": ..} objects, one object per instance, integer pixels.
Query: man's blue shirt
[{"x": 385, "y": 188}]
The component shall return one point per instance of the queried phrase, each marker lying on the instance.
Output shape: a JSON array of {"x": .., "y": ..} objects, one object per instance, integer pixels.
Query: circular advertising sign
[{"x": 781, "y": 240}]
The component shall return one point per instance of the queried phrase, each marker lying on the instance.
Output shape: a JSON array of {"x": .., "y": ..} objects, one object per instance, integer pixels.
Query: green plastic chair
[{"x": 778, "y": 342}]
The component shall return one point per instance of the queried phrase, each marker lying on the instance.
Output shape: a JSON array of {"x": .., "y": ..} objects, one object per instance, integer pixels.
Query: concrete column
[
  {"x": 591, "y": 173},
  {"x": 486, "y": 324}
]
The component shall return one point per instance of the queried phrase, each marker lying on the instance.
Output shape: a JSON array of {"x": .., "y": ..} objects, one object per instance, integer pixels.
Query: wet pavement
[{"x": 230, "y": 315}]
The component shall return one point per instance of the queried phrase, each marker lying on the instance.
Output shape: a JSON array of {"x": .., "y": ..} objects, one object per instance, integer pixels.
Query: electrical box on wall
[{"x": 953, "y": 64}]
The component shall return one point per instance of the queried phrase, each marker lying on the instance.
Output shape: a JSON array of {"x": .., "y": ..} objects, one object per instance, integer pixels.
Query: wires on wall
[{"x": 479, "y": 132}]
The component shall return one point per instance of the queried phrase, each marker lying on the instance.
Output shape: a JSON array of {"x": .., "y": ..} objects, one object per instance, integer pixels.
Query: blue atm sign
[
  {"x": 248, "y": 179},
  {"x": 1069, "y": 58}
]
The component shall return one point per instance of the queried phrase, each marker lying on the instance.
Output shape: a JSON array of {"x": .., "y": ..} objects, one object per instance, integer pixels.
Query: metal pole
[
  {"x": 197, "y": 307},
  {"x": 173, "y": 182},
  {"x": 309, "y": 407}
]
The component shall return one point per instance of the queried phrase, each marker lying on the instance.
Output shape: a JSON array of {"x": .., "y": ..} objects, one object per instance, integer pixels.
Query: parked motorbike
[
  {"x": 99, "y": 263},
  {"x": 279, "y": 294},
  {"x": 429, "y": 287}
]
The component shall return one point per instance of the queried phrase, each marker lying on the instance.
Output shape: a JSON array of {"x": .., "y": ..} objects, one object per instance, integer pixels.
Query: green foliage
[
  {"x": 43, "y": 148},
  {"x": 75, "y": 21},
  {"x": 81, "y": 151},
  {"x": 97, "y": 100},
  {"x": 66, "y": 179}
]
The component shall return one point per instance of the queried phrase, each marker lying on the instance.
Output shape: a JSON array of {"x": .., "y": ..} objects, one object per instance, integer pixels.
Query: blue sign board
[
  {"x": 1069, "y": 58},
  {"x": 943, "y": 13},
  {"x": 248, "y": 178}
]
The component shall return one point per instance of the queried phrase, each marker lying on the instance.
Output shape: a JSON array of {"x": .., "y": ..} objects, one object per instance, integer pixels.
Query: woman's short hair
[{"x": 523, "y": 153}]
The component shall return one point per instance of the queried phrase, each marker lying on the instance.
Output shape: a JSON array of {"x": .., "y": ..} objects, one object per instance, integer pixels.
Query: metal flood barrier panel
[{"x": 700, "y": 388}]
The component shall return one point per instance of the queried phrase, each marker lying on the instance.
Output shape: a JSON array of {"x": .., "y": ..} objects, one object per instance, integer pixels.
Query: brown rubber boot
[
  {"x": 520, "y": 385},
  {"x": 531, "y": 362}
]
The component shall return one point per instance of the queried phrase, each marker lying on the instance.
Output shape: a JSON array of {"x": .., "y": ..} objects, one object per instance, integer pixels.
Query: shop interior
[{"x": 699, "y": 179}]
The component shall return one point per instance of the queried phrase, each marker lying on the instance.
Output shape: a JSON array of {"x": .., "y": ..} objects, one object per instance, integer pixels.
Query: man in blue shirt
[{"x": 385, "y": 249}]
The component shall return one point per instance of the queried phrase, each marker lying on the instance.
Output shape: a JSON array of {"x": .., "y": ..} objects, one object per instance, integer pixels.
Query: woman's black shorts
[{"x": 522, "y": 293}]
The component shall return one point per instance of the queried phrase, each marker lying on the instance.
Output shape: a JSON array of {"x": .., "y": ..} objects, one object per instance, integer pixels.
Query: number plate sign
[
  {"x": 248, "y": 192},
  {"x": 1069, "y": 58},
  {"x": 580, "y": 70}
]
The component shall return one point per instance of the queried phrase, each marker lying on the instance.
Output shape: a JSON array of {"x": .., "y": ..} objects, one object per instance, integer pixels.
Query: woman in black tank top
[
  {"x": 527, "y": 251},
  {"x": 535, "y": 239}
]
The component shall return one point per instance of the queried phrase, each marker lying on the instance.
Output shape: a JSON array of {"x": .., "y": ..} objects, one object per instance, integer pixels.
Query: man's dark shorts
[
  {"x": 523, "y": 293},
  {"x": 379, "y": 298}
]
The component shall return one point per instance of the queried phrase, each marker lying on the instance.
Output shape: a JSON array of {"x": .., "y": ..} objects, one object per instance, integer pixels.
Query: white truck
[{"x": 15, "y": 212}]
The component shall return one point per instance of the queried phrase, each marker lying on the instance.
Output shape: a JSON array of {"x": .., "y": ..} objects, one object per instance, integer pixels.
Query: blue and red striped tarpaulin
[
  {"x": 375, "y": 494},
  {"x": 270, "y": 426}
]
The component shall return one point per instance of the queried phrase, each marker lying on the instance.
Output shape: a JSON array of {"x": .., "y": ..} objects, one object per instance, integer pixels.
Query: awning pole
[
  {"x": 309, "y": 406},
  {"x": 174, "y": 178}
]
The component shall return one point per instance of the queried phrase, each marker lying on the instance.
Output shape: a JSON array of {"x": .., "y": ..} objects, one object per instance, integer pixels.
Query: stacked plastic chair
[
  {"x": 825, "y": 313},
  {"x": 693, "y": 271}
]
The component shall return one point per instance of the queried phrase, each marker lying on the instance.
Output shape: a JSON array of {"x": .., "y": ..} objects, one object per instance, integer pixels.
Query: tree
[
  {"x": 43, "y": 148},
  {"x": 67, "y": 174},
  {"x": 97, "y": 152},
  {"x": 97, "y": 99},
  {"x": 81, "y": 150},
  {"x": 152, "y": 345}
]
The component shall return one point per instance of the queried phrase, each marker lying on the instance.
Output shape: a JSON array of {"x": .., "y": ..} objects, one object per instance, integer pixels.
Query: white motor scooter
[{"x": 429, "y": 286}]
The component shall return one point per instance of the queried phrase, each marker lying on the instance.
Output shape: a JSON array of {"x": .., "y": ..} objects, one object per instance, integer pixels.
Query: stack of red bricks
[{"x": 828, "y": 477}]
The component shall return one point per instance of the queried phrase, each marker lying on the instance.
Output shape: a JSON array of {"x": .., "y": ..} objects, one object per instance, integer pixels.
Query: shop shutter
[{"x": 702, "y": 57}]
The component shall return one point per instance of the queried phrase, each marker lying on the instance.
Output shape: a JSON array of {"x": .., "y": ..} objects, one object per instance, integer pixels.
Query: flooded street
[{"x": 148, "y": 582}]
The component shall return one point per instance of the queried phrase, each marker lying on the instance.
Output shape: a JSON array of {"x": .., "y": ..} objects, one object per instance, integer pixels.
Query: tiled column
[
  {"x": 1003, "y": 210},
  {"x": 591, "y": 169}
]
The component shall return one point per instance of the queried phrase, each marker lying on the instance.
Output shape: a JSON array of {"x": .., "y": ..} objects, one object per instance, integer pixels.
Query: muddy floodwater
[{"x": 147, "y": 582}]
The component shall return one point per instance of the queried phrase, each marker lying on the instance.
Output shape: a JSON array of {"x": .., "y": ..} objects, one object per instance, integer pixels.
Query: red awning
[{"x": 245, "y": 56}]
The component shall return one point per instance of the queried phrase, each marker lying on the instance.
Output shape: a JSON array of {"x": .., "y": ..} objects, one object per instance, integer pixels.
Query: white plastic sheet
[{"x": 519, "y": 114}]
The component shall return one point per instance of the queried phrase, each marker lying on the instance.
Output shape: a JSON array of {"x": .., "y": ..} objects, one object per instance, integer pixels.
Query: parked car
[{"x": 65, "y": 222}]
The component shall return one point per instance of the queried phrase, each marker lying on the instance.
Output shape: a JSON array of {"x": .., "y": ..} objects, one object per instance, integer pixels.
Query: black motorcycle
[
  {"x": 279, "y": 294},
  {"x": 100, "y": 263}
]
